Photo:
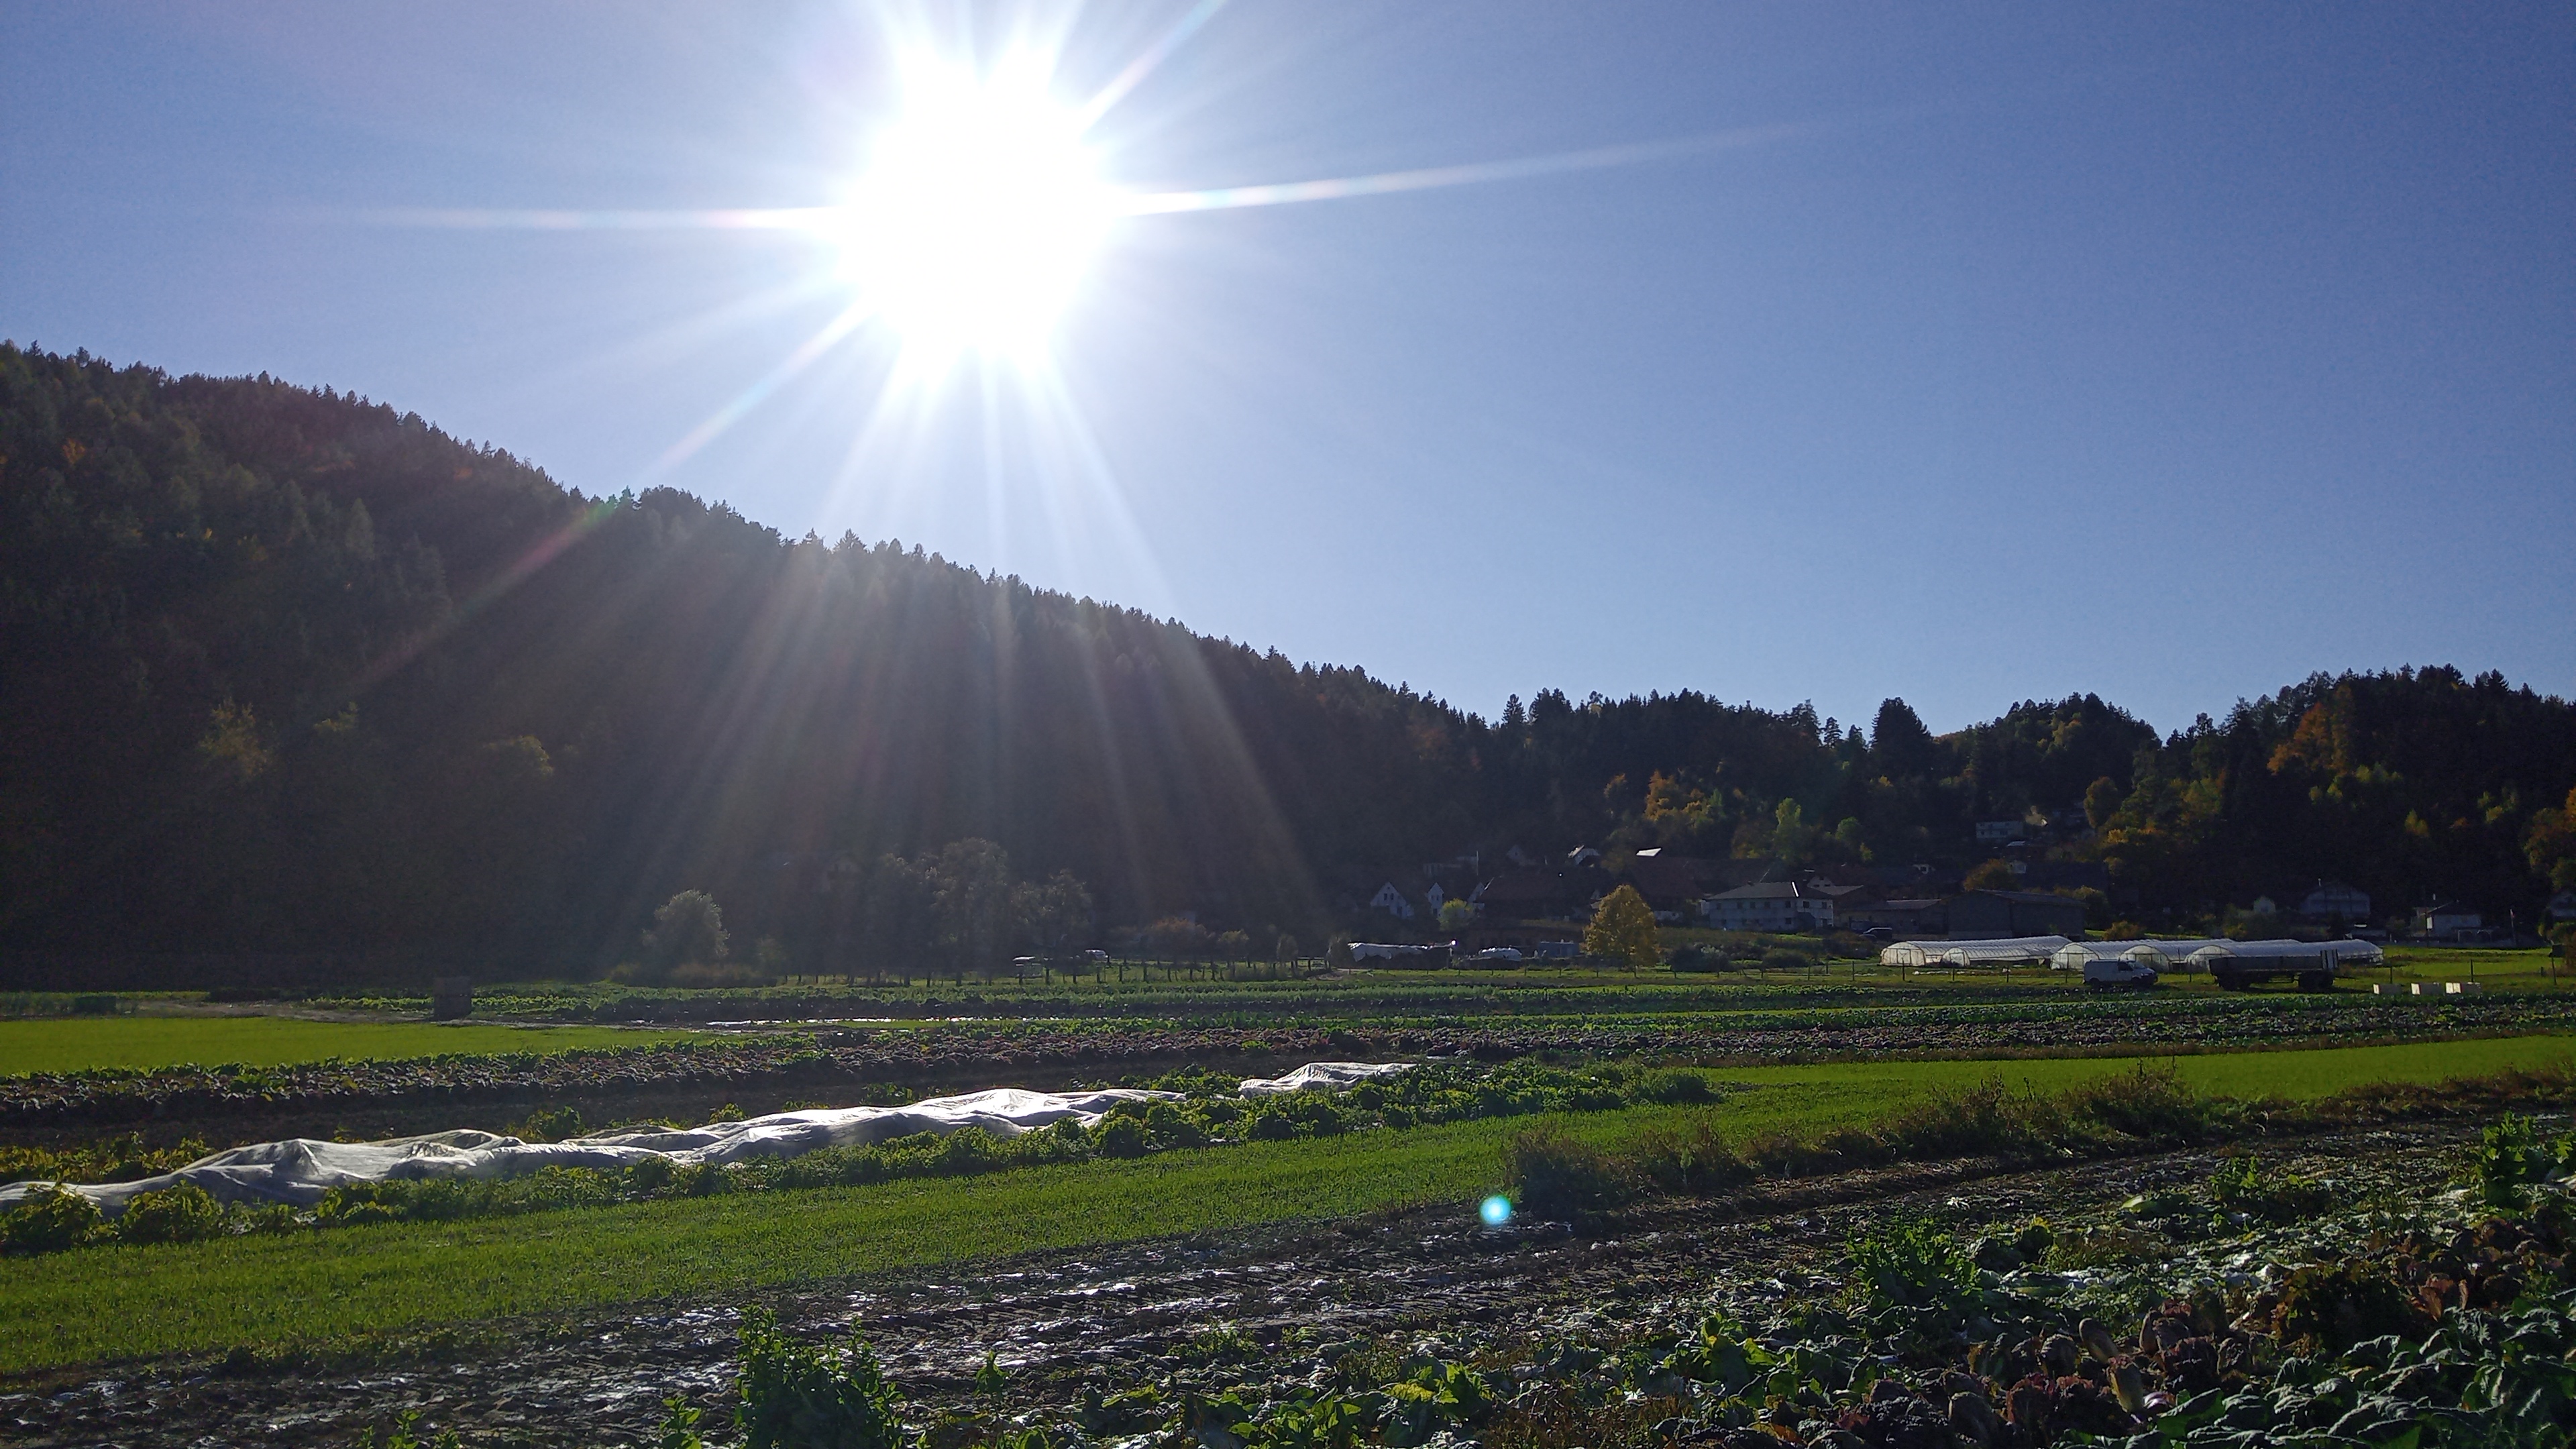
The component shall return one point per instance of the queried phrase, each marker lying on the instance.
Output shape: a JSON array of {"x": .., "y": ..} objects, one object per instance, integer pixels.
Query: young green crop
[
  {"x": 142, "y": 1042},
  {"x": 1845, "y": 1093}
]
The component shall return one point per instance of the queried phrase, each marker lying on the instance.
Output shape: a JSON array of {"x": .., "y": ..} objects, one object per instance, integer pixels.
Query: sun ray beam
[
  {"x": 743, "y": 402},
  {"x": 1145, "y": 64},
  {"x": 1478, "y": 173},
  {"x": 826, "y": 220},
  {"x": 765, "y": 218}
]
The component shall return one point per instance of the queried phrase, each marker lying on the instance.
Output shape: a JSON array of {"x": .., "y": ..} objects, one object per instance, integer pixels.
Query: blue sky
[{"x": 2166, "y": 352}]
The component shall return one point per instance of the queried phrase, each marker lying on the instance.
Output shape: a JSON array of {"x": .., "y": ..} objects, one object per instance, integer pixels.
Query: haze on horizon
[{"x": 1781, "y": 353}]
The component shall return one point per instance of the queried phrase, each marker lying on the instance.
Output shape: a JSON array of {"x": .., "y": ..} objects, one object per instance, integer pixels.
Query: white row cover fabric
[
  {"x": 1321, "y": 1076},
  {"x": 2001, "y": 951},
  {"x": 299, "y": 1171}
]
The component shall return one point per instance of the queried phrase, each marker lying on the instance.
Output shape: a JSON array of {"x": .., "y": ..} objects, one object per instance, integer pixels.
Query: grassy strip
[
  {"x": 1809, "y": 1099},
  {"x": 2148, "y": 1108},
  {"x": 145, "y": 1042}
]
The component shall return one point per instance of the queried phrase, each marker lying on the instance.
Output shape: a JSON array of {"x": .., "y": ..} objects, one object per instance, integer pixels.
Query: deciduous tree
[
  {"x": 1623, "y": 929},
  {"x": 688, "y": 930},
  {"x": 1993, "y": 875}
]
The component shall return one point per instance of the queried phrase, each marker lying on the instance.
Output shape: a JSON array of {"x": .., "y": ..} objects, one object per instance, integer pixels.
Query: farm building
[
  {"x": 1768, "y": 905},
  {"x": 2448, "y": 919},
  {"x": 1919, "y": 916},
  {"x": 1987, "y": 915}
]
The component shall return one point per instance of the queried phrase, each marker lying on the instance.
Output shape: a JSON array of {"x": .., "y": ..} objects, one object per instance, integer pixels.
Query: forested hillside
[{"x": 289, "y": 671}]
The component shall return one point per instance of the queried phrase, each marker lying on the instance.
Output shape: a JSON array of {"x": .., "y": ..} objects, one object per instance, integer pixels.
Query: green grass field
[
  {"x": 1802, "y": 1099},
  {"x": 2497, "y": 970},
  {"x": 70, "y": 1044},
  {"x": 124, "y": 1302}
]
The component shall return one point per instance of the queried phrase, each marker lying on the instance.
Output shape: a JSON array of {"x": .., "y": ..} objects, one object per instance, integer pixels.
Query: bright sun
[{"x": 979, "y": 211}]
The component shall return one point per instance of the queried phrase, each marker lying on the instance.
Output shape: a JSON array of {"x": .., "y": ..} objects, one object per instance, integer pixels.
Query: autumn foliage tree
[
  {"x": 1623, "y": 929},
  {"x": 1992, "y": 875}
]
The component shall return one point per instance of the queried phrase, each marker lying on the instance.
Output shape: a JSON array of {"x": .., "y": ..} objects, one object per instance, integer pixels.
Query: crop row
[{"x": 1209, "y": 1112}]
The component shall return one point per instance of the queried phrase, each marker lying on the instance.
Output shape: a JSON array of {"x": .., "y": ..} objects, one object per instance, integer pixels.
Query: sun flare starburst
[
  {"x": 979, "y": 211},
  {"x": 970, "y": 225}
]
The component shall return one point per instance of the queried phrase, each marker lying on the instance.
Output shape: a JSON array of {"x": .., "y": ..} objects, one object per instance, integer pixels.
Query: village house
[
  {"x": 1768, "y": 905},
  {"x": 1391, "y": 901}
]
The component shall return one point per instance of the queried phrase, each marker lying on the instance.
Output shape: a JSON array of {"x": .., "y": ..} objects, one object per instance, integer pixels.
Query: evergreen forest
[{"x": 284, "y": 670}]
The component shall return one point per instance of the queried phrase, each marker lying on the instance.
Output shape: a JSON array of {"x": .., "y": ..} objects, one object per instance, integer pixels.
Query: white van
[{"x": 2102, "y": 973}]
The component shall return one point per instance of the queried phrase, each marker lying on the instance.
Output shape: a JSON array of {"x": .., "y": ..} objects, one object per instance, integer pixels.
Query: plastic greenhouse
[{"x": 2000, "y": 954}]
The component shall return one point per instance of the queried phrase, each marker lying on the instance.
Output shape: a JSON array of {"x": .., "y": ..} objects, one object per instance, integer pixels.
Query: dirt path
[{"x": 1112, "y": 1316}]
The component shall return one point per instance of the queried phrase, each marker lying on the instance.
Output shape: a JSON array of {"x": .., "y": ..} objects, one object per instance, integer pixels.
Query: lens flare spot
[{"x": 1495, "y": 1210}]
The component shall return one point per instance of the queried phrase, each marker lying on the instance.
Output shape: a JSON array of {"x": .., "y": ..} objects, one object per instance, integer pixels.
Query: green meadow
[
  {"x": 1801, "y": 1099},
  {"x": 81, "y": 1043}
]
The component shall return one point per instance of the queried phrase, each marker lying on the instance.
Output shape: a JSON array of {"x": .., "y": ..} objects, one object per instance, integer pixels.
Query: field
[
  {"x": 1213, "y": 992},
  {"x": 67, "y": 1044},
  {"x": 765, "y": 1069},
  {"x": 124, "y": 1302},
  {"x": 1804, "y": 1099},
  {"x": 1824, "y": 1079},
  {"x": 2495, "y": 969}
]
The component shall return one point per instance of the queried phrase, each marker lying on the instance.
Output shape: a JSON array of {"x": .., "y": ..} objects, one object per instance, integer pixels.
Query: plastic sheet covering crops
[
  {"x": 1320, "y": 1076},
  {"x": 2003, "y": 951},
  {"x": 299, "y": 1171}
]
